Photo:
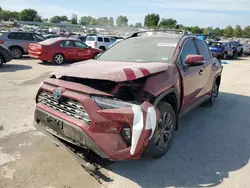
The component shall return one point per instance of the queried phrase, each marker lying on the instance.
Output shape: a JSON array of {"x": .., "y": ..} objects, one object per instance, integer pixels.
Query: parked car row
[{"x": 226, "y": 49}]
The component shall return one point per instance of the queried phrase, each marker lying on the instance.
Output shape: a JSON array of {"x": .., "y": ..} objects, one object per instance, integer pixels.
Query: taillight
[
  {"x": 40, "y": 47},
  {"x": 95, "y": 43},
  {"x": 1, "y": 41}
]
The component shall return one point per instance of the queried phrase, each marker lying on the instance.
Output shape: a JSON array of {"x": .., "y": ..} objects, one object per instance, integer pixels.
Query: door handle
[{"x": 201, "y": 71}]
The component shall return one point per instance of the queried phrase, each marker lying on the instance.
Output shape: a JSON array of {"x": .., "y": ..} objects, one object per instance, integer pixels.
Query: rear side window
[
  {"x": 67, "y": 43},
  {"x": 25, "y": 36},
  {"x": 188, "y": 49},
  {"x": 100, "y": 39},
  {"x": 106, "y": 40},
  {"x": 39, "y": 38},
  {"x": 112, "y": 40},
  {"x": 12, "y": 36},
  {"x": 203, "y": 49},
  {"x": 90, "y": 38}
]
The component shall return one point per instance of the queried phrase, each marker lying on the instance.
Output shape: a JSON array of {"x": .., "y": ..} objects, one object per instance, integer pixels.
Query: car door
[
  {"x": 107, "y": 42},
  {"x": 210, "y": 66},
  {"x": 193, "y": 84},
  {"x": 26, "y": 39},
  {"x": 68, "y": 49},
  {"x": 83, "y": 52}
]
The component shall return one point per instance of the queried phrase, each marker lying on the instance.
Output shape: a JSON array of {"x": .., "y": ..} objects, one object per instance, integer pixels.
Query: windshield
[
  {"x": 141, "y": 49},
  {"x": 90, "y": 38}
]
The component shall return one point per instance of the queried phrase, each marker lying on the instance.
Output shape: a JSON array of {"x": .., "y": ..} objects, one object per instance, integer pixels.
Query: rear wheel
[
  {"x": 16, "y": 52},
  {"x": 235, "y": 55},
  {"x": 164, "y": 132},
  {"x": 1, "y": 61},
  {"x": 58, "y": 59},
  {"x": 214, "y": 94},
  {"x": 95, "y": 56}
]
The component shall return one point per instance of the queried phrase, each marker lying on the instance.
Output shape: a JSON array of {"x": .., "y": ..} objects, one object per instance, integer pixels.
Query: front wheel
[
  {"x": 214, "y": 94},
  {"x": 58, "y": 59},
  {"x": 16, "y": 52},
  {"x": 164, "y": 132},
  {"x": 1, "y": 61}
]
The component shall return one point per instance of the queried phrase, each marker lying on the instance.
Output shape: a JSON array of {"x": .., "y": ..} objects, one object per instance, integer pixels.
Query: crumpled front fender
[{"x": 142, "y": 119}]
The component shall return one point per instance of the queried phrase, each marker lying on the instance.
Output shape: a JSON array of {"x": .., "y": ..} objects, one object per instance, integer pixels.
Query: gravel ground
[{"x": 211, "y": 148}]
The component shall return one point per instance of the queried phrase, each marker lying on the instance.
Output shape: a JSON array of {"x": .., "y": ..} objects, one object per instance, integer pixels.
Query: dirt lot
[{"x": 211, "y": 148}]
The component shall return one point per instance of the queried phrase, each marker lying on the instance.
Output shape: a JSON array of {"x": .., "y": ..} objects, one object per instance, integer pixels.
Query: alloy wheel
[
  {"x": 16, "y": 53},
  {"x": 59, "y": 59},
  {"x": 215, "y": 93},
  {"x": 164, "y": 132}
]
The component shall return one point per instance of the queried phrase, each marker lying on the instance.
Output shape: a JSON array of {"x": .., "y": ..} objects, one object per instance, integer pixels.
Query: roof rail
[{"x": 173, "y": 31}]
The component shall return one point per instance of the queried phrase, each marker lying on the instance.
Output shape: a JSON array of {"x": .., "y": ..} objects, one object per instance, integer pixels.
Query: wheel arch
[
  {"x": 170, "y": 96},
  {"x": 16, "y": 46}
]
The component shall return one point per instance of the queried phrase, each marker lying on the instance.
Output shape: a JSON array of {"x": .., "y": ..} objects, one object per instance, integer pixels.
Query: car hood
[{"x": 112, "y": 70}]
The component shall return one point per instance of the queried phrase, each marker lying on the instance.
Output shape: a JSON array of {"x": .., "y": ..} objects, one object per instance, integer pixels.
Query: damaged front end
[{"x": 96, "y": 120}]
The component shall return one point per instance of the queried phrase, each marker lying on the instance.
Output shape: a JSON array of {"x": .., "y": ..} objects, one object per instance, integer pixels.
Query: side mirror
[{"x": 194, "y": 60}]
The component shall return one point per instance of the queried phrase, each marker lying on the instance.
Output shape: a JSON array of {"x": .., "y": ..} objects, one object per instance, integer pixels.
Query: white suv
[{"x": 100, "y": 42}]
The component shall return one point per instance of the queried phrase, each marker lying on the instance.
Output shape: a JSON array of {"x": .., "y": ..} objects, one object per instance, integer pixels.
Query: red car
[
  {"x": 58, "y": 50},
  {"x": 128, "y": 101}
]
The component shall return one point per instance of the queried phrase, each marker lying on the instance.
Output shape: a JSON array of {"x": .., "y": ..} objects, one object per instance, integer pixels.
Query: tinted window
[
  {"x": 106, "y": 40},
  {"x": 83, "y": 38},
  {"x": 39, "y": 38},
  {"x": 113, "y": 40},
  {"x": 100, "y": 39},
  {"x": 25, "y": 36},
  {"x": 12, "y": 36},
  {"x": 67, "y": 44},
  {"x": 80, "y": 45},
  {"x": 188, "y": 49},
  {"x": 90, "y": 38},
  {"x": 203, "y": 49},
  {"x": 142, "y": 49}
]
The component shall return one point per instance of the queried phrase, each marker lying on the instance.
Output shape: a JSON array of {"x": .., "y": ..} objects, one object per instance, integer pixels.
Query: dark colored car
[
  {"x": 128, "y": 101},
  {"x": 59, "y": 50},
  {"x": 223, "y": 50},
  {"x": 5, "y": 55}
]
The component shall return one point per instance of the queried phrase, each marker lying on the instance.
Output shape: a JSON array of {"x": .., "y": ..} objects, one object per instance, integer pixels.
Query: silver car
[
  {"x": 18, "y": 42},
  {"x": 246, "y": 49}
]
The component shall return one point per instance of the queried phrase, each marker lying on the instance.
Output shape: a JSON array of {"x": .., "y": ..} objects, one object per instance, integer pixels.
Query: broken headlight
[{"x": 106, "y": 103}]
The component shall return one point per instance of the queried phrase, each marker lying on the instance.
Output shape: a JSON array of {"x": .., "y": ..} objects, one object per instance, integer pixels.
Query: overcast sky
[{"x": 203, "y": 13}]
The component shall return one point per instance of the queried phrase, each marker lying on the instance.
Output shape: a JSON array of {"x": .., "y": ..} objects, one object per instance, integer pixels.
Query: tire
[
  {"x": 155, "y": 149},
  {"x": 235, "y": 55},
  {"x": 58, "y": 59},
  {"x": 224, "y": 55},
  {"x": 1, "y": 61},
  {"x": 16, "y": 52},
  {"x": 95, "y": 55},
  {"x": 214, "y": 94},
  {"x": 240, "y": 53},
  {"x": 102, "y": 48}
]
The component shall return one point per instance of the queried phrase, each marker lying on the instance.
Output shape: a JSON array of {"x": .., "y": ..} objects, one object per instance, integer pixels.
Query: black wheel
[
  {"x": 164, "y": 132},
  {"x": 102, "y": 48},
  {"x": 235, "y": 55},
  {"x": 225, "y": 55},
  {"x": 58, "y": 59},
  {"x": 214, "y": 94},
  {"x": 240, "y": 53},
  {"x": 95, "y": 56},
  {"x": 1, "y": 61},
  {"x": 16, "y": 52}
]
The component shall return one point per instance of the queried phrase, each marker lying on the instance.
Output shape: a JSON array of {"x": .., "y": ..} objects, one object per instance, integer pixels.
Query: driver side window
[{"x": 188, "y": 49}]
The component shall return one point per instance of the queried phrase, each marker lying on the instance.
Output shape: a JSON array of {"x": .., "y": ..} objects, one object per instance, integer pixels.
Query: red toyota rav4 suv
[{"x": 127, "y": 101}]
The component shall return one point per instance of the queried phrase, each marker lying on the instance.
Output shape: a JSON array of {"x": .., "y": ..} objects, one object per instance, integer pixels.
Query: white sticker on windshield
[{"x": 167, "y": 44}]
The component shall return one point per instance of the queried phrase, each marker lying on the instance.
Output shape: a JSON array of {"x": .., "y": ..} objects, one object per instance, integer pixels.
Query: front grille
[{"x": 67, "y": 106}]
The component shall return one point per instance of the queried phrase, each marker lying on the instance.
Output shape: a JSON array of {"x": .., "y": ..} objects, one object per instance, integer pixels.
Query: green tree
[
  {"x": 93, "y": 21},
  {"x": 102, "y": 21},
  {"x": 139, "y": 25},
  {"x": 55, "y": 19},
  {"x": 1, "y": 9},
  {"x": 208, "y": 31},
  {"x": 238, "y": 31},
  {"x": 45, "y": 19},
  {"x": 246, "y": 32},
  {"x": 122, "y": 21},
  {"x": 64, "y": 18},
  {"x": 218, "y": 31},
  {"x": 85, "y": 20},
  {"x": 168, "y": 23},
  {"x": 196, "y": 30},
  {"x": 74, "y": 19},
  {"x": 228, "y": 31},
  {"x": 151, "y": 20},
  {"x": 111, "y": 21},
  {"x": 28, "y": 15}
]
